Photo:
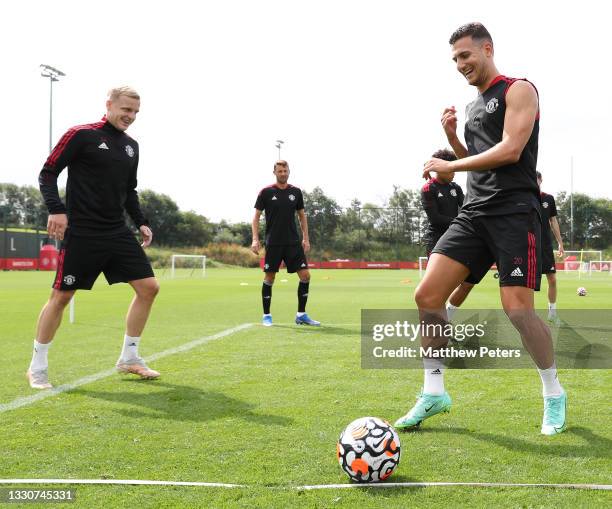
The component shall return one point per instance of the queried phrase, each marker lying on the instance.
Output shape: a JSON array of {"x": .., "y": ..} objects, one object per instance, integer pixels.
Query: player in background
[
  {"x": 499, "y": 221},
  {"x": 102, "y": 163},
  {"x": 280, "y": 202},
  {"x": 441, "y": 199},
  {"x": 550, "y": 223}
]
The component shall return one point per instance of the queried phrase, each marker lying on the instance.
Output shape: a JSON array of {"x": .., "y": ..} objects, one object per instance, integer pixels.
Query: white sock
[
  {"x": 39, "y": 357},
  {"x": 450, "y": 310},
  {"x": 130, "y": 348},
  {"x": 300, "y": 313},
  {"x": 550, "y": 382},
  {"x": 434, "y": 377},
  {"x": 552, "y": 306}
]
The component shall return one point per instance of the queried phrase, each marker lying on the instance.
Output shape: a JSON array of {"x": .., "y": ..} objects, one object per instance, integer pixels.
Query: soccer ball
[
  {"x": 581, "y": 291},
  {"x": 368, "y": 450}
]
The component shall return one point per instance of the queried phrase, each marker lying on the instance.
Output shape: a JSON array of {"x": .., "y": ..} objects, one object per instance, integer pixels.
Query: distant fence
[{"x": 20, "y": 247}]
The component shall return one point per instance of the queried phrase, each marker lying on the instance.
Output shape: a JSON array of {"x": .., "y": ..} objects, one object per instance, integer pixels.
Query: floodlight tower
[
  {"x": 279, "y": 145},
  {"x": 46, "y": 71}
]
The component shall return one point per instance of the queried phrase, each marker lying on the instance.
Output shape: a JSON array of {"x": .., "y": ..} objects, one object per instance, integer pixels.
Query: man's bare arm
[
  {"x": 304, "y": 228},
  {"x": 255, "y": 232},
  {"x": 449, "y": 124},
  {"x": 521, "y": 113},
  {"x": 554, "y": 226}
]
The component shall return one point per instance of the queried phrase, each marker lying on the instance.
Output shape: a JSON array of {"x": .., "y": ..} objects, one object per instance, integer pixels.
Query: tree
[
  {"x": 193, "y": 230},
  {"x": 407, "y": 210},
  {"x": 592, "y": 221},
  {"x": 163, "y": 216},
  {"x": 22, "y": 206},
  {"x": 323, "y": 214},
  {"x": 601, "y": 224}
]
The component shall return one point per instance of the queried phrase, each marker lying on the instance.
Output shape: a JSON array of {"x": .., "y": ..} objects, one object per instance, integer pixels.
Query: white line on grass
[
  {"x": 29, "y": 400},
  {"x": 474, "y": 484},
  {"x": 121, "y": 482},
  {"x": 312, "y": 487}
]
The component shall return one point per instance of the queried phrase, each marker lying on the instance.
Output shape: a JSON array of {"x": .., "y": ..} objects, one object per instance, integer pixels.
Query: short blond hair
[
  {"x": 115, "y": 93},
  {"x": 282, "y": 163}
]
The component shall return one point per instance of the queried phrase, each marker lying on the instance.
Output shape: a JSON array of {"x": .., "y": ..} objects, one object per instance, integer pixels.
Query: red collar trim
[{"x": 496, "y": 80}]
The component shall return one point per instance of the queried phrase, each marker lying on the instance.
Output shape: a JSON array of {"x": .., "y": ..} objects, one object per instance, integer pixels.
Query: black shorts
[
  {"x": 512, "y": 241},
  {"x": 81, "y": 259},
  {"x": 292, "y": 255},
  {"x": 430, "y": 245},
  {"x": 548, "y": 260},
  {"x": 430, "y": 248}
]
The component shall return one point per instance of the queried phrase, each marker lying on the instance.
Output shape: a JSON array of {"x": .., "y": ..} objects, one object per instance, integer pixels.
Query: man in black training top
[
  {"x": 281, "y": 201},
  {"x": 441, "y": 199},
  {"x": 499, "y": 222},
  {"x": 102, "y": 161},
  {"x": 550, "y": 223}
]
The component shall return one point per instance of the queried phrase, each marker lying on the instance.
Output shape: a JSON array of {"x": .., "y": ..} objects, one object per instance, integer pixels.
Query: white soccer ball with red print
[{"x": 368, "y": 450}]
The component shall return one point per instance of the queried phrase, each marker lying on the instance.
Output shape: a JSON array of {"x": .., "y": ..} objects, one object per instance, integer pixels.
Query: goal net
[
  {"x": 188, "y": 265},
  {"x": 579, "y": 261},
  {"x": 600, "y": 266}
]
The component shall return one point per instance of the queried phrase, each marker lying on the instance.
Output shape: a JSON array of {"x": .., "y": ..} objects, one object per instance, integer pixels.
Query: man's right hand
[
  {"x": 449, "y": 122},
  {"x": 56, "y": 226},
  {"x": 255, "y": 247}
]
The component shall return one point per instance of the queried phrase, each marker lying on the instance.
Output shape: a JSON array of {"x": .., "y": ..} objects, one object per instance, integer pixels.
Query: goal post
[
  {"x": 579, "y": 261},
  {"x": 197, "y": 261},
  {"x": 422, "y": 265}
]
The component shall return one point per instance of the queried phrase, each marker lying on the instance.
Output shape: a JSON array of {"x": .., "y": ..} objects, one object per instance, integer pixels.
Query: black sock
[
  {"x": 302, "y": 296},
  {"x": 266, "y": 297}
]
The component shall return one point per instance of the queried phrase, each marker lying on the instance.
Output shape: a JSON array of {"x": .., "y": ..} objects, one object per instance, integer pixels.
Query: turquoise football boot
[{"x": 427, "y": 406}]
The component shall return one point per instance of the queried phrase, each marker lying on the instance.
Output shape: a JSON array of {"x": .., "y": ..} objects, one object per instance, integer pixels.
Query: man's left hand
[
  {"x": 147, "y": 235},
  {"x": 437, "y": 165},
  {"x": 561, "y": 251}
]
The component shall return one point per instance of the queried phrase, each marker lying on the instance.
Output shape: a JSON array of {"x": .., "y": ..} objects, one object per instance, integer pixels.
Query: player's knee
[
  {"x": 154, "y": 290},
  {"x": 552, "y": 281},
  {"x": 427, "y": 299},
  {"x": 149, "y": 290},
  {"x": 61, "y": 298},
  {"x": 467, "y": 287},
  {"x": 269, "y": 279}
]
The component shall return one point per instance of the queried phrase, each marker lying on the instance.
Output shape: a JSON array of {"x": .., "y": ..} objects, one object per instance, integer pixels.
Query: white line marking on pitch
[
  {"x": 456, "y": 484},
  {"x": 121, "y": 481},
  {"x": 313, "y": 487},
  {"x": 29, "y": 400}
]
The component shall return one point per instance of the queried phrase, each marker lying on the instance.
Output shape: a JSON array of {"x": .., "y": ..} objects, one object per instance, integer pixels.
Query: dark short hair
[
  {"x": 444, "y": 153},
  {"x": 475, "y": 30},
  {"x": 539, "y": 175}
]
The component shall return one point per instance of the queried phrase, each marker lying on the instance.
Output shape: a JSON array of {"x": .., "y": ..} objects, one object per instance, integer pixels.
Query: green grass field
[{"x": 264, "y": 407}]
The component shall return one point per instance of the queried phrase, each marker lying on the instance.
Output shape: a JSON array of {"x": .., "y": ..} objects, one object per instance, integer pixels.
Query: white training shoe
[
  {"x": 39, "y": 379},
  {"x": 137, "y": 367}
]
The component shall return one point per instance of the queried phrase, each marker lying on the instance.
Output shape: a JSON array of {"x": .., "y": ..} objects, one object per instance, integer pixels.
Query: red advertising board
[
  {"x": 350, "y": 264},
  {"x": 20, "y": 263}
]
